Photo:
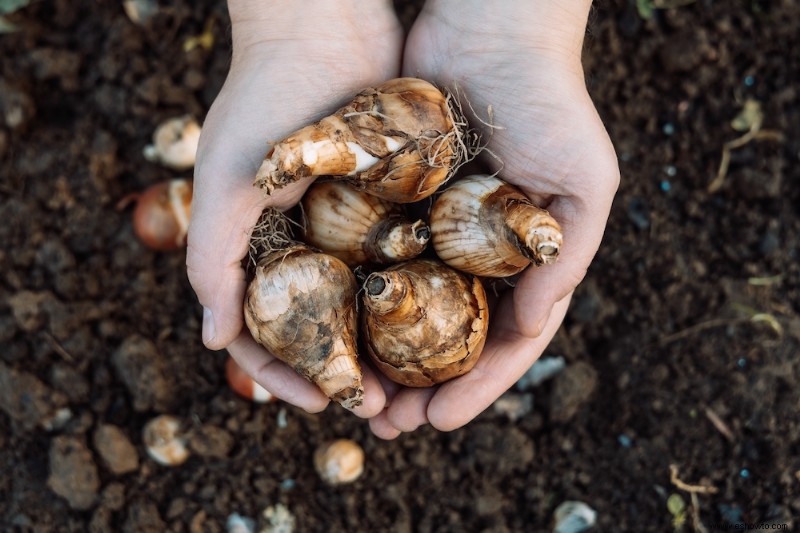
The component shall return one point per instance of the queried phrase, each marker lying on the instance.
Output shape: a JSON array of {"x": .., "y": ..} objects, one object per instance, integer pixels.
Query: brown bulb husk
[
  {"x": 423, "y": 322},
  {"x": 399, "y": 141},
  {"x": 359, "y": 228},
  {"x": 487, "y": 227},
  {"x": 301, "y": 306}
]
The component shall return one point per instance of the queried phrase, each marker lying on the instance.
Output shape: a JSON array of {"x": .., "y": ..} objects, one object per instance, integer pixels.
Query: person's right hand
[
  {"x": 522, "y": 58},
  {"x": 293, "y": 62}
]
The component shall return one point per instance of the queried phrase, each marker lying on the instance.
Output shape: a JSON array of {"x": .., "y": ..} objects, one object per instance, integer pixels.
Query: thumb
[
  {"x": 583, "y": 220},
  {"x": 223, "y": 212},
  {"x": 225, "y": 207}
]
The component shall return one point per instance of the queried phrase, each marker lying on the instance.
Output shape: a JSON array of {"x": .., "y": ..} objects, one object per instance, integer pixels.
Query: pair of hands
[{"x": 293, "y": 65}]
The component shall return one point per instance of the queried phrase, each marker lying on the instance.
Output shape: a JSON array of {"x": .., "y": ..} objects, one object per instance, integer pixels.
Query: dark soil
[{"x": 685, "y": 334}]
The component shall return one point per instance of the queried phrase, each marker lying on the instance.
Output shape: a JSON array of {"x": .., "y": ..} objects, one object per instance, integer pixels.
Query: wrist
[
  {"x": 552, "y": 29},
  {"x": 254, "y": 21}
]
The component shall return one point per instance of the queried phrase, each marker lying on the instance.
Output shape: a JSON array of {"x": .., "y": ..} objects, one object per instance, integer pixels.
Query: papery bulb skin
[
  {"x": 487, "y": 227},
  {"x": 301, "y": 306},
  {"x": 399, "y": 141},
  {"x": 162, "y": 212},
  {"x": 423, "y": 322},
  {"x": 359, "y": 228}
]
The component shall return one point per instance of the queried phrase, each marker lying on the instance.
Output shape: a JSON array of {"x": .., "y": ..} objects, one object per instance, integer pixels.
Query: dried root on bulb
[
  {"x": 399, "y": 141},
  {"x": 359, "y": 228},
  {"x": 301, "y": 306},
  {"x": 423, "y": 322},
  {"x": 487, "y": 227}
]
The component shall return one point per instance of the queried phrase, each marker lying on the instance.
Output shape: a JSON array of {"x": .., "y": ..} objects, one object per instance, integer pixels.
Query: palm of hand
[
  {"x": 547, "y": 139},
  {"x": 274, "y": 87}
]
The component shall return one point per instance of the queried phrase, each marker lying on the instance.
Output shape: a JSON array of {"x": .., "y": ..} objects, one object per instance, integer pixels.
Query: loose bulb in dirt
[
  {"x": 242, "y": 384},
  {"x": 175, "y": 143},
  {"x": 164, "y": 441},
  {"x": 301, "y": 306},
  {"x": 423, "y": 322},
  {"x": 162, "y": 212},
  {"x": 400, "y": 141},
  {"x": 487, "y": 227},
  {"x": 339, "y": 461},
  {"x": 359, "y": 228}
]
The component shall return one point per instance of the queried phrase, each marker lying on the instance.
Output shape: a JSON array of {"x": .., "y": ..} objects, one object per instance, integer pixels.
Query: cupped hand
[
  {"x": 291, "y": 65},
  {"x": 522, "y": 59}
]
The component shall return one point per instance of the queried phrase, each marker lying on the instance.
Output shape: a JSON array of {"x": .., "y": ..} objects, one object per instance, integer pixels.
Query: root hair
[{"x": 272, "y": 233}]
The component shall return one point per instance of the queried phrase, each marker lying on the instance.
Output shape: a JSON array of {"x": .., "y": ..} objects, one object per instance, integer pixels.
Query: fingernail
[{"x": 209, "y": 329}]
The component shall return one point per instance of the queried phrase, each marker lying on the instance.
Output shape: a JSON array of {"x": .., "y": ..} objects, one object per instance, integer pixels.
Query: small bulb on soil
[
  {"x": 243, "y": 385},
  {"x": 175, "y": 143},
  {"x": 339, "y": 461},
  {"x": 164, "y": 441},
  {"x": 162, "y": 212}
]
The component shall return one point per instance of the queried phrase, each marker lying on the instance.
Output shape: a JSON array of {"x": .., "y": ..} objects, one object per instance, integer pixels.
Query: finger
[
  {"x": 409, "y": 409},
  {"x": 374, "y": 396},
  {"x": 390, "y": 388},
  {"x": 501, "y": 364},
  {"x": 225, "y": 207},
  {"x": 382, "y": 428},
  {"x": 275, "y": 376},
  {"x": 583, "y": 218}
]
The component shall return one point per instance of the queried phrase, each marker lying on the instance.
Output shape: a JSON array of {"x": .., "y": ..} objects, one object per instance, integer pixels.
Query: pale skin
[{"x": 292, "y": 66}]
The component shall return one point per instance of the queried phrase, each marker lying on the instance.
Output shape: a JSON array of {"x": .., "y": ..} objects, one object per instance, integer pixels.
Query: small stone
[
  {"x": 113, "y": 496},
  {"x": 101, "y": 521},
  {"x": 28, "y": 401},
  {"x": 571, "y": 389},
  {"x": 211, "y": 441},
  {"x": 574, "y": 517},
  {"x": 73, "y": 473},
  {"x": 514, "y": 406},
  {"x": 26, "y": 306},
  {"x": 117, "y": 451},
  {"x": 68, "y": 380},
  {"x": 141, "y": 368},
  {"x": 237, "y": 523},
  {"x": 16, "y": 107},
  {"x": 542, "y": 370},
  {"x": 143, "y": 517},
  {"x": 279, "y": 519}
]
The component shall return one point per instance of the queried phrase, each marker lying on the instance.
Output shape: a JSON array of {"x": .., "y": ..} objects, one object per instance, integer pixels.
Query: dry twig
[
  {"x": 700, "y": 489},
  {"x": 721, "y": 426},
  {"x": 751, "y": 119}
]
